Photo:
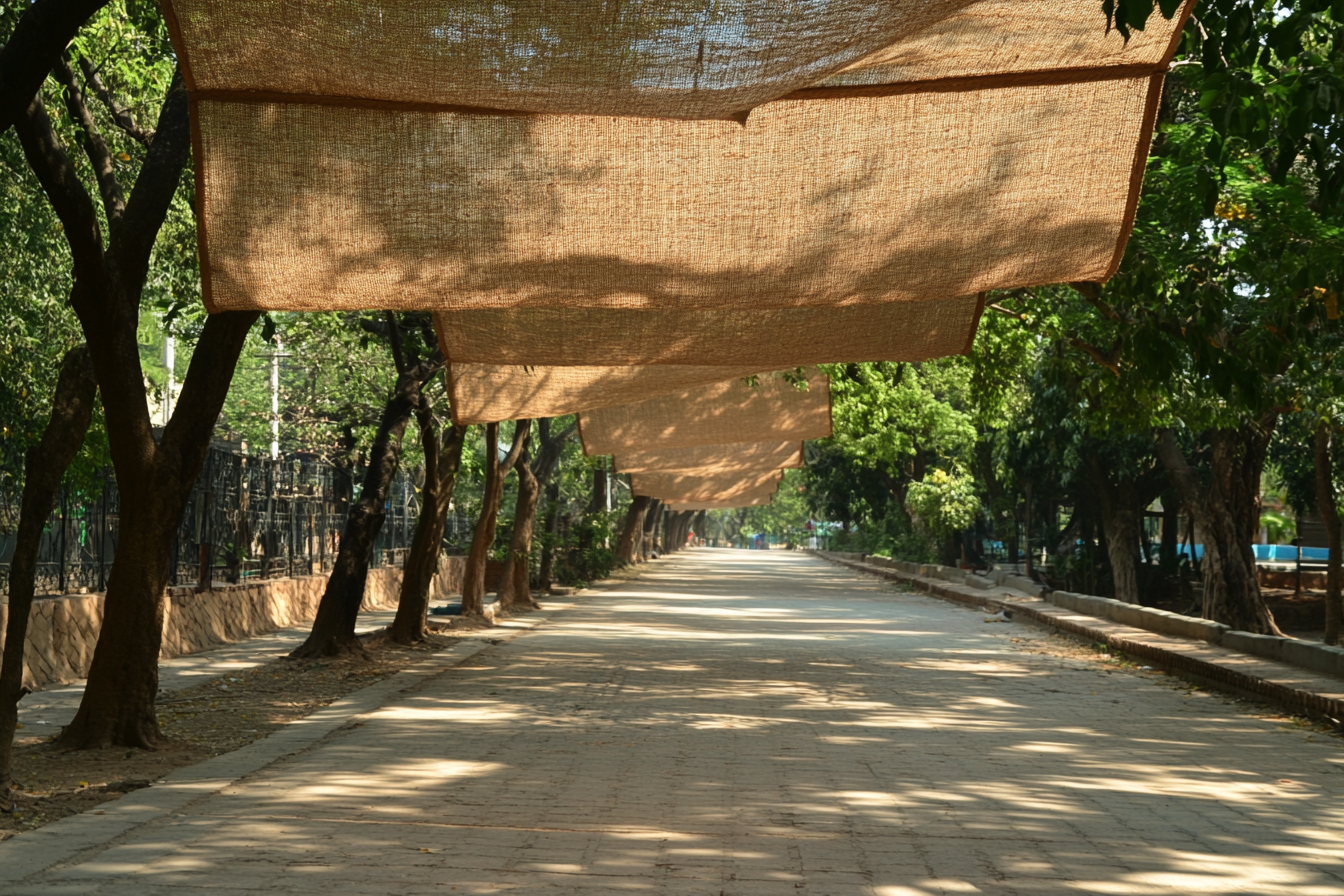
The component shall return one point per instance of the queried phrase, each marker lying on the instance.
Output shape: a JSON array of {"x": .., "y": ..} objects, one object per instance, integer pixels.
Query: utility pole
[
  {"x": 275, "y": 398},
  {"x": 169, "y": 359}
]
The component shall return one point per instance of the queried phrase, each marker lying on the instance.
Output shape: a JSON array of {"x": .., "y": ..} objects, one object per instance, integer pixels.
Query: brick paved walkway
[{"x": 751, "y": 723}]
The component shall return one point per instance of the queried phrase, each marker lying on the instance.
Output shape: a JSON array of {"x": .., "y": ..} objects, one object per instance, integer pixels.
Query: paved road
[{"x": 765, "y": 723}]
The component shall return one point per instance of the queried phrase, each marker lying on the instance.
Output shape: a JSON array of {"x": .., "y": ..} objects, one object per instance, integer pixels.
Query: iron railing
[{"x": 247, "y": 517}]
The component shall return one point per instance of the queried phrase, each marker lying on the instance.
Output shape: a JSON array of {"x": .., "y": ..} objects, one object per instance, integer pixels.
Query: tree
[
  {"x": 110, "y": 265},
  {"x": 473, "y": 577},
  {"x": 1230, "y": 268},
  {"x": 333, "y": 630},
  {"x": 71, "y": 411},
  {"x": 514, "y": 588},
  {"x": 443, "y": 461}
]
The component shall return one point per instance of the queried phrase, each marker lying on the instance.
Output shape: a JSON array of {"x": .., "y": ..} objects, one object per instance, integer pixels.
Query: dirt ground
[{"x": 206, "y": 720}]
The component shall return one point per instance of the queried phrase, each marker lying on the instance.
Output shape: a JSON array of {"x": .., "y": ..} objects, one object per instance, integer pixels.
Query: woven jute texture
[
  {"x": 761, "y": 338},
  {"x": 732, "y": 411},
  {"x": 720, "y": 505},
  {"x": 710, "y": 460},
  {"x": 659, "y": 58},
  {"x": 676, "y": 486},
  {"x": 817, "y": 202},
  {"x": 484, "y": 393}
]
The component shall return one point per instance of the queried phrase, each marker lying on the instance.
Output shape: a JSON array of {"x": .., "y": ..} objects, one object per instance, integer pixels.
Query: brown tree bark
[
  {"x": 155, "y": 480},
  {"x": 473, "y": 578},
  {"x": 1226, "y": 512},
  {"x": 443, "y": 460},
  {"x": 650, "y": 525},
  {"x": 628, "y": 544},
  {"x": 551, "y": 526},
  {"x": 333, "y": 631},
  {"x": 1120, "y": 524},
  {"x": 515, "y": 587},
  {"x": 551, "y": 445},
  {"x": 45, "y": 464},
  {"x": 1329, "y": 511}
]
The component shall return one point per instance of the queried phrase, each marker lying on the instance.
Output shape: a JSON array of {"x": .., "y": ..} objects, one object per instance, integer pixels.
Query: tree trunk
[
  {"x": 1329, "y": 511},
  {"x": 71, "y": 410},
  {"x": 118, "y": 702},
  {"x": 515, "y": 590},
  {"x": 1231, "y": 589},
  {"x": 627, "y": 545},
  {"x": 1120, "y": 524},
  {"x": 547, "y": 461},
  {"x": 334, "y": 628},
  {"x": 155, "y": 481},
  {"x": 597, "y": 502},
  {"x": 473, "y": 579},
  {"x": 650, "y": 529},
  {"x": 1121, "y": 527},
  {"x": 1026, "y": 525},
  {"x": 551, "y": 526},
  {"x": 442, "y": 462}
]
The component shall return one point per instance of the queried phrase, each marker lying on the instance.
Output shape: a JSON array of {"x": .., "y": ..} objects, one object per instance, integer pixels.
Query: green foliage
[
  {"x": 943, "y": 502},
  {"x": 127, "y": 46}
]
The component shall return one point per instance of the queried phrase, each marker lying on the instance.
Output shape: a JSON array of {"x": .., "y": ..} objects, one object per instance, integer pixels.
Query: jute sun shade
[
  {"x": 757, "y": 501},
  {"x": 688, "y": 488},
  {"x": 773, "y": 409},
  {"x": 759, "y": 338},
  {"x": 486, "y": 393},
  {"x": 650, "y": 58},
  {"x": 710, "y": 460},
  {"x": 945, "y": 149}
]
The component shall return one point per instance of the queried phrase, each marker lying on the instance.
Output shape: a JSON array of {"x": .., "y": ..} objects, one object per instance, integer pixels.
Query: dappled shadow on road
[{"x": 743, "y": 723}]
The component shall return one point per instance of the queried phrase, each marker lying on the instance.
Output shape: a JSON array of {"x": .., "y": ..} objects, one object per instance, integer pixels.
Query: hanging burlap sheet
[
  {"x": 684, "y": 487},
  {"x": 711, "y": 460},
  {"x": 651, "y": 58},
  {"x": 757, "y": 501},
  {"x": 813, "y": 203},
  {"x": 760, "y": 338},
  {"x": 724, "y": 413},
  {"x": 484, "y": 393},
  {"x": 400, "y": 156}
]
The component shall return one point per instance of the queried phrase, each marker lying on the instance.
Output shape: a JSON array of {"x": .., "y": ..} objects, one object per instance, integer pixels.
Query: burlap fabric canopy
[
  {"x": 650, "y": 58},
  {"x": 710, "y": 460},
  {"x": 945, "y": 148},
  {"x": 485, "y": 393},
  {"x": 676, "y": 486},
  {"x": 732, "y": 411},
  {"x": 720, "y": 505},
  {"x": 761, "y": 338}
]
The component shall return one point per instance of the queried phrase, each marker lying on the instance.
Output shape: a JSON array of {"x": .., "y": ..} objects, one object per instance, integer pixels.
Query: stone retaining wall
[{"x": 62, "y": 631}]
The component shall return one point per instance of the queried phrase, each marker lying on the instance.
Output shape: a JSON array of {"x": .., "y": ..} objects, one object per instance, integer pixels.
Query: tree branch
[
  {"x": 522, "y": 434},
  {"x": 1109, "y": 360},
  {"x": 39, "y": 39},
  {"x": 394, "y": 337},
  {"x": 152, "y": 195},
  {"x": 69, "y": 199},
  {"x": 100, "y": 157},
  {"x": 119, "y": 114}
]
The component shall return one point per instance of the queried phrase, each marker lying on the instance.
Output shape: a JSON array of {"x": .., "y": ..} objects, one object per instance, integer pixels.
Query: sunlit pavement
[{"x": 765, "y": 723}]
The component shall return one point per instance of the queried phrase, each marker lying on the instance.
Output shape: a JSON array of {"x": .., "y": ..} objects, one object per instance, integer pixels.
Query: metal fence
[{"x": 247, "y": 517}]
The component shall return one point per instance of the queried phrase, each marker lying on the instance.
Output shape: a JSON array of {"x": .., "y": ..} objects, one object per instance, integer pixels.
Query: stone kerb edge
[{"x": 1310, "y": 655}]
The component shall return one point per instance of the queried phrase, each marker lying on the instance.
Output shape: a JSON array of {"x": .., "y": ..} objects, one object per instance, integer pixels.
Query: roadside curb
[
  {"x": 1275, "y": 681},
  {"x": 67, "y": 839}
]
